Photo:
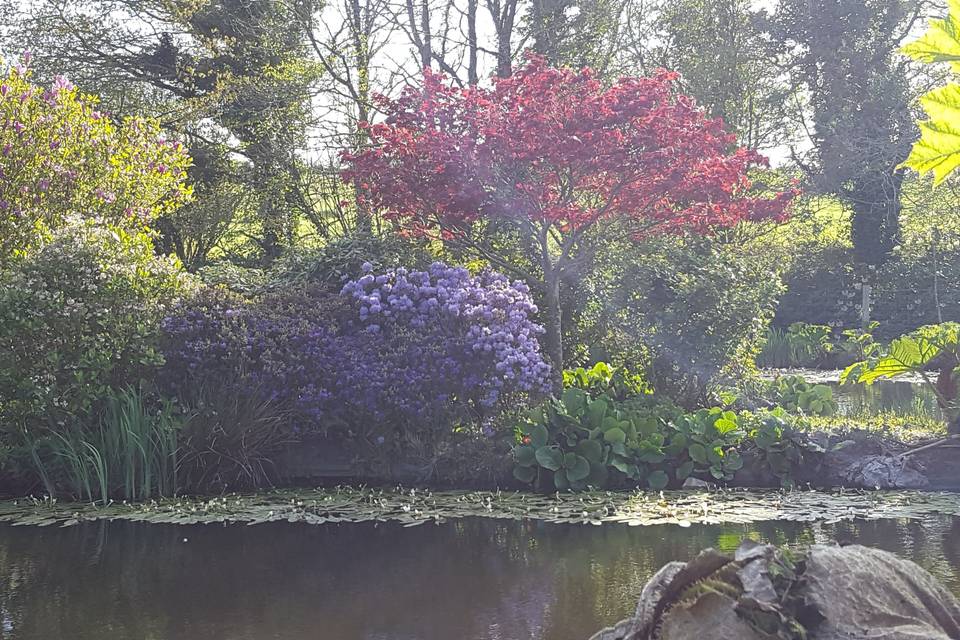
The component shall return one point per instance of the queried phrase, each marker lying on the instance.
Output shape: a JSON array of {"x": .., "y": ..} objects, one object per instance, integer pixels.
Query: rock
[
  {"x": 868, "y": 593},
  {"x": 827, "y": 593},
  {"x": 886, "y": 472}
]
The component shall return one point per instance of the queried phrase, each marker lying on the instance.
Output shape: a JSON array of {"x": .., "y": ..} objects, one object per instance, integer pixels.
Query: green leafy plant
[
  {"x": 596, "y": 438},
  {"x": 858, "y": 344},
  {"x": 938, "y": 150},
  {"x": 130, "y": 453},
  {"x": 231, "y": 437},
  {"x": 62, "y": 158},
  {"x": 776, "y": 442},
  {"x": 801, "y": 345},
  {"x": 79, "y": 318},
  {"x": 921, "y": 352},
  {"x": 793, "y": 393}
]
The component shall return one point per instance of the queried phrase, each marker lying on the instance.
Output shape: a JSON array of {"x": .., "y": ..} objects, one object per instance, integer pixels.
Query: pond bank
[{"x": 857, "y": 459}]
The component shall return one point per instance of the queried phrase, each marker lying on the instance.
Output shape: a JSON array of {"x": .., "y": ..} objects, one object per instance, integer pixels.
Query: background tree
[
  {"x": 231, "y": 72},
  {"x": 548, "y": 159},
  {"x": 60, "y": 157},
  {"x": 843, "y": 55},
  {"x": 575, "y": 33},
  {"x": 720, "y": 54}
]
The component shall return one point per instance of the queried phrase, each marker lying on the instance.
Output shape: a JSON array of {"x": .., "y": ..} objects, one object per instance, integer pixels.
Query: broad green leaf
[
  {"x": 647, "y": 425},
  {"x": 579, "y": 470},
  {"x": 621, "y": 465},
  {"x": 733, "y": 461},
  {"x": 941, "y": 42},
  {"x": 906, "y": 354},
  {"x": 549, "y": 458},
  {"x": 560, "y": 480},
  {"x": 596, "y": 410},
  {"x": 683, "y": 471},
  {"x": 938, "y": 149},
  {"x": 698, "y": 453},
  {"x": 574, "y": 401},
  {"x": 724, "y": 425},
  {"x": 591, "y": 450},
  {"x": 539, "y": 436},
  {"x": 715, "y": 455},
  {"x": 525, "y": 474},
  {"x": 526, "y": 456},
  {"x": 657, "y": 480},
  {"x": 615, "y": 435}
]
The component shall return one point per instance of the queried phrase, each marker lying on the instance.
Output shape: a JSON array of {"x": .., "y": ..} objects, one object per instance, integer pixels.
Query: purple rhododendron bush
[{"x": 397, "y": 357}]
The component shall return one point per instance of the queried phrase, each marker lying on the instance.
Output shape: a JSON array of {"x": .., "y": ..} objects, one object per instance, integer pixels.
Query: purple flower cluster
[
  {"x": 299, "y": 363},
  {"x": 472, "y": 338},
  {"x": 394, "y": 352}
]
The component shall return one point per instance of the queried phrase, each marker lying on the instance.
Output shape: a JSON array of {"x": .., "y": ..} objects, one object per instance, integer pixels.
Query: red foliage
[{"x": 557, "y": 148}]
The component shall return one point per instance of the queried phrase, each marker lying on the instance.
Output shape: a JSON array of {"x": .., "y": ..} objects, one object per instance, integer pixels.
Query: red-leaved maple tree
[{"x": 548, "y": 157}]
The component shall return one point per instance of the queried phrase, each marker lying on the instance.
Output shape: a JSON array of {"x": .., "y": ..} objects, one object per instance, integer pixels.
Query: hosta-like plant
[
  {"x": 596, "y": 437},
  {"x": 795, "y": 394}
]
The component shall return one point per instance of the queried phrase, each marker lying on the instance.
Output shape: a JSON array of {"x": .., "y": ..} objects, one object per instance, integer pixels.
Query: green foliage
[
  {"x": 801, "y": 345},
  {"x": 194, "y": 231},
  {"x": 794, "y": 394},
  {"x": 856, "y": 97},
  {"x": 775, "y": 441},
  {"x": 342, "y": 259},
  {"x": 79, "y": 318},
  {"x": 686, "y": 310},
  {"x": 911, "y": 353},
  {"x": 131, "y": 452},
  {"x": 859, "y": 344},
  {"x": 717, "y": 48},
  {"x": 236, "y": 278},
  {"x": 816, "y": 346},
  {"x": 230, "y": 437},
  {"x": 598, "y": 438},
  {"x": 930, "y": 347},
  {"x": 601, "y": 378},
  {"x": 938, "y": 150},
  {"x": 60, "y": 157}
]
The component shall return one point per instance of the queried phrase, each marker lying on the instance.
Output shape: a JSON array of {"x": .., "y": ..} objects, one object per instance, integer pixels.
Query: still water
[
  {"x": 473, "y": 579},
  {"x": 887, "y": 396}
]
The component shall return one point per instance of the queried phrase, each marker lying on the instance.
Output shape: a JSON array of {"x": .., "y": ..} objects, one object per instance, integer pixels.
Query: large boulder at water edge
[{"x": 827, "y": 592}]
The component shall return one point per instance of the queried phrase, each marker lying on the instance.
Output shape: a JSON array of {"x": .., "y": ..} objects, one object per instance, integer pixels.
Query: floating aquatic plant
[{"x": 414, "y": 507}]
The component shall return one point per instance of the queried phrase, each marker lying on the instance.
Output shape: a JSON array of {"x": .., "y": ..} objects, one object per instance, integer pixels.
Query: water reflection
[
  {"x": 471, "y": 579},
  {"x": 887, "y": 396}
]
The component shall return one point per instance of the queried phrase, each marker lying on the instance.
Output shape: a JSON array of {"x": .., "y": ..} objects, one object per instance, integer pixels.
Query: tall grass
[
  {"x": 798, "y": 346},
  {"x": 131, "y": 452},
  {"x": 231, "y": 437}
]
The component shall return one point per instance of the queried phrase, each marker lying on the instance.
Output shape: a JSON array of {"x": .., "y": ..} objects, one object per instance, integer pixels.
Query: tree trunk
[
  {"x": 472, "y": 46},
  {"x": 866, "y": 301},
  {"x": 503, "y": 16},
  {"x": 426, "y": 52},
  {"x": 361, "y": 52},
  {"x": 553, "y": 324}
]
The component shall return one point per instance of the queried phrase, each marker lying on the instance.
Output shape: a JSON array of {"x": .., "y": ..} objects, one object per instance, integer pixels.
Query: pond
[
  {"x": 907, "y": 396},
  {"x": 471, "y": 578},
  {"x": 887, "y": 396}
]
